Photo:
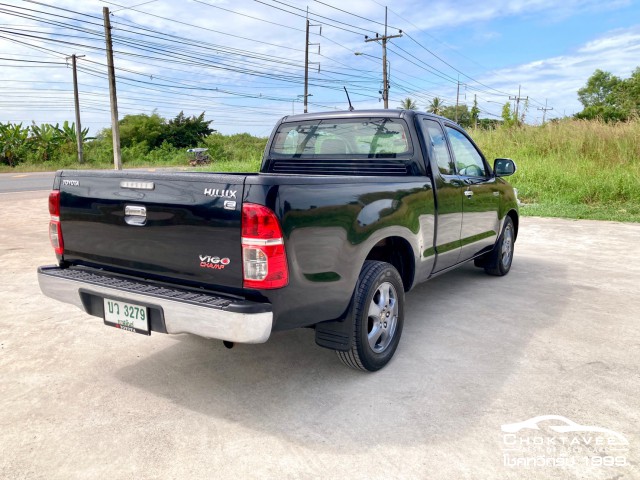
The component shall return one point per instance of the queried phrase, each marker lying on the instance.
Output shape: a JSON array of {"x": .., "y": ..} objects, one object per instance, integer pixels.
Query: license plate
[{"x": 126, "y": 316}]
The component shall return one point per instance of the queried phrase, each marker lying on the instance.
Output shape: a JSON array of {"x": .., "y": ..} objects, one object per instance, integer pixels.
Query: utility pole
[
  {"x": 306, "y": 61},
  {"x": 384, "y": 38},
  {"x": 76, "y": 101},
  {"x": 457, "y": 98},
  {"x": 306, "y": 68},
  {"x": 544, "y": 110},
  {"x": 517, "y": 99},
  {"x": 115, "y": 126}
]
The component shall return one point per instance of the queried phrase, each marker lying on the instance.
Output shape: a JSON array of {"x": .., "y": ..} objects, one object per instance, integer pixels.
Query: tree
[
  {"x": 13, "y": 140},
  {"x": 626, "y": 94},
  {"x": 137, "y": 129},
  {"x": 597, "y": 92},
  {"x": 460, "y": 114},
  {"x": 475, "y": 112},
  {"x": 68, "y": 134},
  {"x": 435, "y": 106},
  {"x": 508, "y": 116},
  {"x": 408, "y": 104},
  {"x": 184, "y": 132},
  {"x": 46, "y": 138},
  {"x": 489, "y": 123},
  {"x": 148, "y": 132},
  {"x": 605, "y": 96}
]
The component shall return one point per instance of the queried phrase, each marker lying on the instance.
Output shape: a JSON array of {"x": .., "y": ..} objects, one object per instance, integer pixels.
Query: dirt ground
[{"x": 558, "y": 336}]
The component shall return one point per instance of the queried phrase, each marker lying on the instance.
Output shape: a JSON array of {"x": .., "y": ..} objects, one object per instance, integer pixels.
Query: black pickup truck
[{"x": 350, "y": 211}]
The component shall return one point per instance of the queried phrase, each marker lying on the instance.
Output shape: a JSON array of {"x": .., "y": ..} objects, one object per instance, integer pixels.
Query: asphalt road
[
  {"x": 25, "y": 182},
  {"x": 37, "y": 181},
  {"x": 558, "y": 336}
]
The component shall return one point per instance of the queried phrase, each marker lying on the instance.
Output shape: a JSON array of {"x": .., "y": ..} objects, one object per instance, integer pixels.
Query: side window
[
  {"x": 439, "y": 145},
  {"x": 468, "y": 159}
]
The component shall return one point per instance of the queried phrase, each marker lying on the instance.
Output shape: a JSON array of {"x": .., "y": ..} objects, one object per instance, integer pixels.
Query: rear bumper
[{"x": 177, "y": 310}]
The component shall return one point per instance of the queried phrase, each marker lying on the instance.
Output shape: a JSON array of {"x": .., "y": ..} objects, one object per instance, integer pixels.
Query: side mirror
[{"x": 503, "y": 167}]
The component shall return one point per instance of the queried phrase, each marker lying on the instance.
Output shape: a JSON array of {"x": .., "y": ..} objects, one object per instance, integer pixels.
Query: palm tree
[
  {"x": 435, "y": 106},
  {"x": 408, "y": 104}
]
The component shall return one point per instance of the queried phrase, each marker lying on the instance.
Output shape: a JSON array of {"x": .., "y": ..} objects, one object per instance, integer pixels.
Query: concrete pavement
[{"x": 558, "y": 336}]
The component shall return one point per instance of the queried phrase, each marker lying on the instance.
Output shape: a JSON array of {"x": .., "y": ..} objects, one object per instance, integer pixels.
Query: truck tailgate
[{"x": 179, "y": 226}]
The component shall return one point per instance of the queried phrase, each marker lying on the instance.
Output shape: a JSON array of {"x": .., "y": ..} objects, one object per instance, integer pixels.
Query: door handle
[{"x": 468, "y": 193}]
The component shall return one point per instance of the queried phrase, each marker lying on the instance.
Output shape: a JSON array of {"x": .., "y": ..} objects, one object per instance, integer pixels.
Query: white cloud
[
  {"x": 558, "y": 79},
  {"x": 622, "y": 40}
]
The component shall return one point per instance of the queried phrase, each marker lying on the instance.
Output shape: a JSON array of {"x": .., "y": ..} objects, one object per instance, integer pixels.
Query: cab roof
[{"x": 388, "y": 113}]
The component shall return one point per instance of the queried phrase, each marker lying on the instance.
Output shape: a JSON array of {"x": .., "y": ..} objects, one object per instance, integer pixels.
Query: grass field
[{"x": 571, "y": 168}]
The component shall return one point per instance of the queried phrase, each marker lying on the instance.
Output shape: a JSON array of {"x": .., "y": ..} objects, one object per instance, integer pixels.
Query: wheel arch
[
  {"x": 515, "y": 218},
  {"x": 398, "y": 252}
]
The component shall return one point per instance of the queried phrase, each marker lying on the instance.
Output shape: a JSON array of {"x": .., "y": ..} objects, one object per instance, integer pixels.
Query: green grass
[
  {"x": 619, "y": 212},
  {"x": 572, "y": 168}
]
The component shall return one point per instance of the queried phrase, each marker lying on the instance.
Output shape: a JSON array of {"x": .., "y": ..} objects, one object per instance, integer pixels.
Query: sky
[{"x": 242, "y": 61}]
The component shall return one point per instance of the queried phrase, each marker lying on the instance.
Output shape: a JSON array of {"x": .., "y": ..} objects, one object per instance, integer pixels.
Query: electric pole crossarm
[
  {"x": 517, "y": 100},
  {"x": 545, "y": 109},
  {"x": 386, "y": 37}
]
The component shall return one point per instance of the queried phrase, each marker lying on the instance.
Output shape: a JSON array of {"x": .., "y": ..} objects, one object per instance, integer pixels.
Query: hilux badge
[{"x": 214, "y": 192}]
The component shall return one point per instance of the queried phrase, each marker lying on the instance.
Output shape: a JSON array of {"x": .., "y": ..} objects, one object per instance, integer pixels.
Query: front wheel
[
  {"x": 500, "y": 258},
  {"x": 377, "y": 310}
]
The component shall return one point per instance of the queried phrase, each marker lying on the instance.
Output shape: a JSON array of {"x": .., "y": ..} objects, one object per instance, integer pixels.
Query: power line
[
  {"x": 249, "y": 16},
  {"x": 133, "y": 6},
  {"x": 315, "y": 17},
  {"x": 280, "y": 62},
  {"x": 146, "y": 46}
]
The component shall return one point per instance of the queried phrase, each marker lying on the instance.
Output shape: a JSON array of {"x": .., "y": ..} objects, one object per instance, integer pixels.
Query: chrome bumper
[{"x": 207, "y": 315}]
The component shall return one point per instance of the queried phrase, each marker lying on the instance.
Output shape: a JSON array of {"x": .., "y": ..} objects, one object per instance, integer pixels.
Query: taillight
[
  {"x": 55, "y": 230},
  {"x": 263, "y": 256}
]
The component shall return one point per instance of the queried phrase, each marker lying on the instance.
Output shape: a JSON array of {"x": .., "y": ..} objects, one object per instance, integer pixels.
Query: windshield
[{"x": 353, "y": 138}]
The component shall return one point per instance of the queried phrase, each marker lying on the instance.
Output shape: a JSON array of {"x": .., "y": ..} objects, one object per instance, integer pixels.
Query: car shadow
[{"x": 463, "y": 334}]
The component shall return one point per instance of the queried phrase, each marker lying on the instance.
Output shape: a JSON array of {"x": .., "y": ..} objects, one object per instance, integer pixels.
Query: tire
[
  {"x": 377, "y": 310},
  {"x": 498, "y": 262}
]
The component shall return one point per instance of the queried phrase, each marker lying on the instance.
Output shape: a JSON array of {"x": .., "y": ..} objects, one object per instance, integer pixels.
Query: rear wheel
[{"x": 377, "y": 309}]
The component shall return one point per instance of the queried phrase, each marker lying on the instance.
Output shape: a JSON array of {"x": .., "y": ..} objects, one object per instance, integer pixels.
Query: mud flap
[{"x": 336, "y": 334}]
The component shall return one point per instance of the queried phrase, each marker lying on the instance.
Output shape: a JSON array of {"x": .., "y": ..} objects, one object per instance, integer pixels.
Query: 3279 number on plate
[{"x": 133, "y": 318}]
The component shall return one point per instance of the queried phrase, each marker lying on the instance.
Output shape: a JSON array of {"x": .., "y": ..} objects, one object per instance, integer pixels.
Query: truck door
[
  {"x": 448, "y": 191},
  {"x": 481, "y": 196}
]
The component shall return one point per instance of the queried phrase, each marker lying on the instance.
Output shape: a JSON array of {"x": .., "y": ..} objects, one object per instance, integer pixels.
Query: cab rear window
[{"x": 352, "y": 138}]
